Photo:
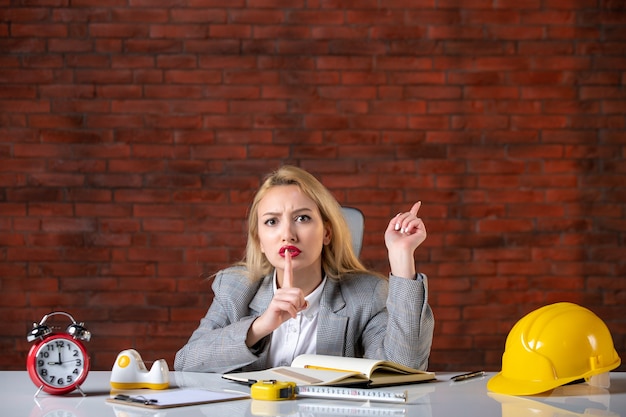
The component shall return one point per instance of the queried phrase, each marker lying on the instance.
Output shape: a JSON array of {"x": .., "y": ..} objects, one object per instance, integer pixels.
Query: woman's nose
[{"x": 289, "y": 233}]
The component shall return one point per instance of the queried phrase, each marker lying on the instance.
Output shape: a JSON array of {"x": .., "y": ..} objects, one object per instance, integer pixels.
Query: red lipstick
[{"x": 292, "y": 250}]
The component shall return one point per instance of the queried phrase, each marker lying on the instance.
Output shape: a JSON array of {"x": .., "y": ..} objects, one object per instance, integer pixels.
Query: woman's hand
[
  {"x": 286, "y": 303},
  {"x": 404, "y": 234}
]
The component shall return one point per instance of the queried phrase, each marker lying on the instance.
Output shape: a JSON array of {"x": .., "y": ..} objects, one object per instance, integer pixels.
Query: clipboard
[{"x": 176, "y": 398}]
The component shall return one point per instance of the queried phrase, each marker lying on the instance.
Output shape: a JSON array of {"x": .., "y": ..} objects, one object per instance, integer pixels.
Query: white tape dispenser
[{"x": 129, "y": 372}]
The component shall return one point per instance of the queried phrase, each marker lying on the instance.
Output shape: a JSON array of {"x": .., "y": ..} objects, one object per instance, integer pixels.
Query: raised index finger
[
  {"x": 416, "y": 208},
  {"x": 288, "y": 273}
]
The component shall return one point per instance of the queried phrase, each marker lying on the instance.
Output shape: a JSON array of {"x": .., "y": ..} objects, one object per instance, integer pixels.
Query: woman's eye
[
  {"x": 303, "y": 218},
  {"x": 270, "y": 222}
]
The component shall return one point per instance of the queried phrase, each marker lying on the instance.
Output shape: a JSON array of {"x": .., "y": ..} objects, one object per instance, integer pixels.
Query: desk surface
[{"x": 440, "y": 398}]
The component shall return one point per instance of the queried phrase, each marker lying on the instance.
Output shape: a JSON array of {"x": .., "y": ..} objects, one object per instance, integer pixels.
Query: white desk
[{"x": 434, "y": 399}]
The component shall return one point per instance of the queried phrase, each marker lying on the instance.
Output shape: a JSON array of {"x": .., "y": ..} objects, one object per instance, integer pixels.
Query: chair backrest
[{"x": 354, "y": 218}]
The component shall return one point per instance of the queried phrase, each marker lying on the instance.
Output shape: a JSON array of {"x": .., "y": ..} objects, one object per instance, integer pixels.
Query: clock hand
[{"x": 56, "y": 363}]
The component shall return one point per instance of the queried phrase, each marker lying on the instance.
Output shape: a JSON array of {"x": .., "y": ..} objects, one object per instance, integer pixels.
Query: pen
[
  {"x": 323, "y": 368},
  {"x": 139, "y": 399},
  {"x": 468, "y": 375}
]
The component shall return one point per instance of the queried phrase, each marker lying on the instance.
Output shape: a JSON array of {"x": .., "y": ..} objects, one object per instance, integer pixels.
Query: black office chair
[{"x": 356, "y": 222}]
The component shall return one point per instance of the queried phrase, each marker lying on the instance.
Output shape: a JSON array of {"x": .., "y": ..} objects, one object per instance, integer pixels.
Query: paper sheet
[{"x": 179, "y": 398}]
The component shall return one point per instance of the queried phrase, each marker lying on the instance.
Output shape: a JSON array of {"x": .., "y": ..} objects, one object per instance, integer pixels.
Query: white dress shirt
[{"x": 296, "y": 336}]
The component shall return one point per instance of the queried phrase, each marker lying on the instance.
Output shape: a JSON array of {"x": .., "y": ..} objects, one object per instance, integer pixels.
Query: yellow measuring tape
[{"x": 272, "y": 390}]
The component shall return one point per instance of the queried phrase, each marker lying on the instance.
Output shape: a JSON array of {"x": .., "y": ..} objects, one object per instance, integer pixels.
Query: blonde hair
[{"x": 338, "y": 257}]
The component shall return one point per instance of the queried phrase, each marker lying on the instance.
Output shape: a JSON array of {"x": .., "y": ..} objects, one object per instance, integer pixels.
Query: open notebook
[{"x": 337, "y": 370}]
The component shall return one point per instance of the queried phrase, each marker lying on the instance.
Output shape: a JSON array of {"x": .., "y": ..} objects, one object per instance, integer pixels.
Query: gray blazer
[{"x": 361, "y": 316}]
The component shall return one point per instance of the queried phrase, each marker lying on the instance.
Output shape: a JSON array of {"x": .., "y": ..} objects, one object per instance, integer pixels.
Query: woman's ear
[{"x": 328, "y": 233}]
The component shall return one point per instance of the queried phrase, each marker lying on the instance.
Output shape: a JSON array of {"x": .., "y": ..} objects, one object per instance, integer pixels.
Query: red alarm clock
[{"x": 58, "y": 363}]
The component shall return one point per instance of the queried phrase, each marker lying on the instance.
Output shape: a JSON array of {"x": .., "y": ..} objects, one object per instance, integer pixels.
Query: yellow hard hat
[{"x": 553, "y": 346}]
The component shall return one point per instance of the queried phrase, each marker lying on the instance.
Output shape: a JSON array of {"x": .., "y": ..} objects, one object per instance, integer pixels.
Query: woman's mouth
[{"x": 293, "y": 251}]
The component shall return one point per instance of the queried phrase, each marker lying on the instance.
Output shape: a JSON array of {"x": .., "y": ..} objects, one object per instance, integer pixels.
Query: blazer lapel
[
  {"x": 263, "y": 297},
  {"x": 331, "y": 327}
]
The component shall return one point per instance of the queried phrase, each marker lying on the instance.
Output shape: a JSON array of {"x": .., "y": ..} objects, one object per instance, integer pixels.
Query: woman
[{"x": 301, "y": 289}]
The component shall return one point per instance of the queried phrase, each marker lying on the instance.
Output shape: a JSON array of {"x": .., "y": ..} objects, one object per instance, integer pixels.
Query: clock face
[{"x": 59, "y": 364}]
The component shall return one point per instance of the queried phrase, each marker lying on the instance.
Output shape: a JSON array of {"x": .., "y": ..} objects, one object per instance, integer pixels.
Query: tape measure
[{"x": 272, "y": 390}]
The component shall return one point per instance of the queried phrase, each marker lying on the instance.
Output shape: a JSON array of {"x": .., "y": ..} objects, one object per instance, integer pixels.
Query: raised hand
[
  {"x": 293, "y": 296},
  {"x": 404, "y": 233},
  {"x": 286, "y": 303}
]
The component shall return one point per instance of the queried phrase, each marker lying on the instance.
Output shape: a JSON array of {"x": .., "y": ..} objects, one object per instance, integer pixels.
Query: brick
[
  {"x": 280, "y": 92},
  {"x": 200, "y": 15},
  {"x": 356, "y": 47},
  {"x": 516, "y": 32},
  {"x": 464, "y": 32},
  {"x": 234, "y": 32},
  {"x": 208, "y": 255},
  {"x": 479, "y": 122},
  {"x": 258, "y": 16},
  {"x": 252, "y": 76},
  {"x": 118, "y": 30},
  {"x": 423, "y": 77},
  {"x": 192, "y": 77},
  {"x": 34, "y": 194},
  {"x": 614, "y": 106},
  {"x": 31, "y": 255},
  {"x": 479, "y": 47},
  {"x": 46, "y": 30},
  {"x": 95, "y": 122},
  {"x": 25, "y": 106},
  {"x": 14, "y": 299},
  {"x": 321, "y": 34}
]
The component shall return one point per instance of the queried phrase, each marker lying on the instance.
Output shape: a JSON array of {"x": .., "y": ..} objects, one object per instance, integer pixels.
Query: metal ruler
[{"x": 345, "y": 393}]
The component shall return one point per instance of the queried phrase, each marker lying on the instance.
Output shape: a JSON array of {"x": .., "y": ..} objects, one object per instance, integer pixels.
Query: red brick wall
[{"x": 133, "y": 134}]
